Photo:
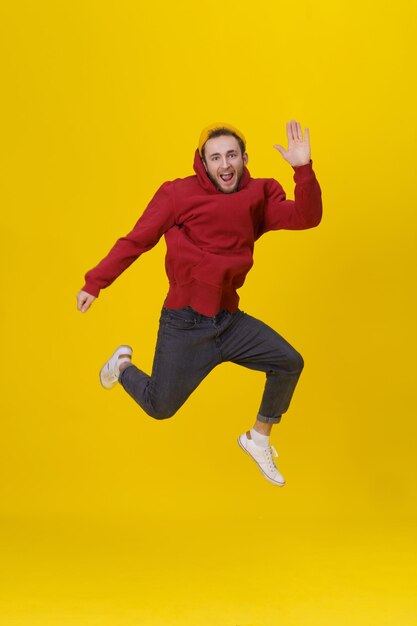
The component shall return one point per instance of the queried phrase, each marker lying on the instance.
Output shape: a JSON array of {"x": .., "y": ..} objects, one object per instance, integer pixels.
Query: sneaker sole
[{"x": 259, "y": 467}]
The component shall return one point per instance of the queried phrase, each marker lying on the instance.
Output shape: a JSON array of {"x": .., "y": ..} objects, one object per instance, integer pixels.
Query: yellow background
[{"x": 109, "y": 517}]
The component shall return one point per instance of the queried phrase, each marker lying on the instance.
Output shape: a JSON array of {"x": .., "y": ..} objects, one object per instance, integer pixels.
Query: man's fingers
[
  {"x": 84, "y": 301},
  {"x": 307, "y": 135},
  {"x": 280, "y": 149},
  {"x": 85, "y": 305},
  {"x": 294, "y": 131},
  {"x": 289, "y": 133}
]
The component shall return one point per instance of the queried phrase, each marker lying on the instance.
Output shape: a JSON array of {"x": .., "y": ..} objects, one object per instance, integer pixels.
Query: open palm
[{"x": 298, "y": 152}]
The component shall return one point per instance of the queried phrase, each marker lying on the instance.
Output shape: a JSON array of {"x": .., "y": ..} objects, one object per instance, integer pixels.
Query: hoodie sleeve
[
  {"x": 303, "y": 212},
  {"x": 157, "y": 218}
]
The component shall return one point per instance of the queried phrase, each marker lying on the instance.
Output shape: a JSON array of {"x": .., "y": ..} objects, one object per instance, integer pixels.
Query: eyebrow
[{"x": 218, "y": 153}]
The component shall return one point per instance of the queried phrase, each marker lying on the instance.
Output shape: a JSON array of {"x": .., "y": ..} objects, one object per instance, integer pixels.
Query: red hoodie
[{"x": 210, "y": 235}]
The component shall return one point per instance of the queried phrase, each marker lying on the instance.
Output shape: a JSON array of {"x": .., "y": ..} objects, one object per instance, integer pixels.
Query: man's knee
[
  {"x": 297, "y": 362},
  {"x": 161, "y": 412},
  {"x": 293, "y": 363}
]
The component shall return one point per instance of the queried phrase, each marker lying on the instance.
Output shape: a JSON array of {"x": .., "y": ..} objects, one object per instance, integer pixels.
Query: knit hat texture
[{"x": 207, "y": 130}]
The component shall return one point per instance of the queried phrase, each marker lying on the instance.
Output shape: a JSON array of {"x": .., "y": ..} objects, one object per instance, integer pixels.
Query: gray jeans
[{"x": 190, "y": 345}]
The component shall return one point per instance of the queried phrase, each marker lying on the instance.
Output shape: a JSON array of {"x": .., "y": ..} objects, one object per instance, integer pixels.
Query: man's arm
[
  {"x": 305, "y": 210},
  {"x": 158, "y": 217}
]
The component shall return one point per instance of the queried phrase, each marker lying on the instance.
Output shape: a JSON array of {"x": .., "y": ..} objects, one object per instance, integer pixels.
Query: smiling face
[{"x": 224, "y": 162}]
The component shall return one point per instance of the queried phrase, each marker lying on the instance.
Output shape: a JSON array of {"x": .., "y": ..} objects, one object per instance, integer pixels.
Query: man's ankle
[{"x": 125, "y": 364}]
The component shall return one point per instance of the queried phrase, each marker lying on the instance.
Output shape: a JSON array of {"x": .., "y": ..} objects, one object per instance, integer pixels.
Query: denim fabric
[{"x": 190, "y": 345}]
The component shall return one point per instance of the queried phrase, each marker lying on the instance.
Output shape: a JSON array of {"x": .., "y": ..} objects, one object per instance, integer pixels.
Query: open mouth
[{"x": 226, "y": 177}]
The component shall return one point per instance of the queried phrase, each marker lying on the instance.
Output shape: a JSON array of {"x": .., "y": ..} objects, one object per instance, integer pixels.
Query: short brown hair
[{"x": 219, "y": 132}]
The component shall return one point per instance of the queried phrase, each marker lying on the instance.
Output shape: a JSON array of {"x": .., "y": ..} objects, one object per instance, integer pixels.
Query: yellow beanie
[{"x": 206, "y": 132}]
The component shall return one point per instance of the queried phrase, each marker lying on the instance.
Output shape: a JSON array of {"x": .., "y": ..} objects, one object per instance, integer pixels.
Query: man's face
[{"x": 224, "y": 162}]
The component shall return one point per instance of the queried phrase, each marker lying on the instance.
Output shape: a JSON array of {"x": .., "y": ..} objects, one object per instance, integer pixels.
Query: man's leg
[
  {"x": 253, "y": 344},
  {"x": 185, "y": 353}
]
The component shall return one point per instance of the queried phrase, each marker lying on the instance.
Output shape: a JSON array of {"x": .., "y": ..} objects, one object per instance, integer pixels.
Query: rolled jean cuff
[{"x": 269, "y": 420}]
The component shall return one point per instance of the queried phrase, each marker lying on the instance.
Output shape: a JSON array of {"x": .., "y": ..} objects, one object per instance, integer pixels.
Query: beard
[{"x": 217, "y": 185}]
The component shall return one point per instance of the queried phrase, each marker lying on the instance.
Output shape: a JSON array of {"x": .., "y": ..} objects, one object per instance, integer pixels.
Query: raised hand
[{"x": 298, "y": 152}]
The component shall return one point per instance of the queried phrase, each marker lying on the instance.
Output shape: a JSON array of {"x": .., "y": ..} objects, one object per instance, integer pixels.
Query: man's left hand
[{"x": 298, "y": 152}]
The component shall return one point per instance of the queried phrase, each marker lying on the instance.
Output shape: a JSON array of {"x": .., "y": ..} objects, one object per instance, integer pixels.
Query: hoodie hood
[{"x": 205, "y": 181}]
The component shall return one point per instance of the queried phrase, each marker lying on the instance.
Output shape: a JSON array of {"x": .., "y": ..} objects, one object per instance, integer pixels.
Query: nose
[{"x": 224, "y": 163}]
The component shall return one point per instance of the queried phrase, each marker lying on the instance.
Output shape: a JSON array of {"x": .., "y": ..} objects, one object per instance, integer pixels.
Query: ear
[
  {"x": 205, "y": 166},
  {"x": 245, "y": 158}
]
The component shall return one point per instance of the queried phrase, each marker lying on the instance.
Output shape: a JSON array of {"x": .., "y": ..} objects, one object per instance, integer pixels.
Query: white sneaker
[
  {"x": 109, "y": 373},
  {"x": 264, "y": 457}
]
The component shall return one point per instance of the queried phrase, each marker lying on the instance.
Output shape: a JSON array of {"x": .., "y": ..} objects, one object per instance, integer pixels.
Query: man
[{"x": 210, "y": 222}]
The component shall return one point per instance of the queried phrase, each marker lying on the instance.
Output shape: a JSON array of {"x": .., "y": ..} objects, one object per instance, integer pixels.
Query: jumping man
[{"x": 211, "y": 221}]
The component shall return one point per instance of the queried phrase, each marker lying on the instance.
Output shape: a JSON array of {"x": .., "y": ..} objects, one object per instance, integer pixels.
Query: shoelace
[{"x": 270, "y": 452}]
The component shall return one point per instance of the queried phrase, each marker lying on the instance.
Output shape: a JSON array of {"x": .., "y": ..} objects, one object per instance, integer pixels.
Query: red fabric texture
[{"x": 210, "y": 235}]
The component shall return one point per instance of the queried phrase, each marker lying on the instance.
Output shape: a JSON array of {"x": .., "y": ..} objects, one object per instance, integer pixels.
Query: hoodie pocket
[
  {"x": 184, "y": 270},
  {"x": 221, "y": 270}
]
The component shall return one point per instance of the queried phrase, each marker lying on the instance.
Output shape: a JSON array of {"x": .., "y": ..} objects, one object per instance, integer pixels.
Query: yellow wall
[
  {"x": 107, "y": 516},
  {"x": 102, "y": 103}
]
